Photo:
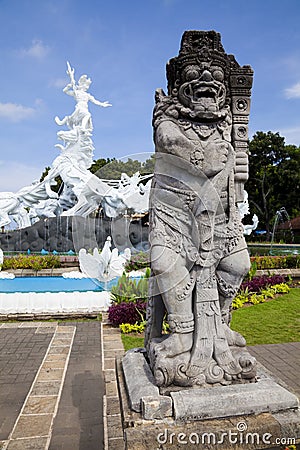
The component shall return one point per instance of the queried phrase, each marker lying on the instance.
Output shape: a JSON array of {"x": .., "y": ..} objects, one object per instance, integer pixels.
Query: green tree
[
  {"x": 288, "y": 172},
  {"x": 273, "y": 177},
  {"x": 113, "y": 168},
  {"x": 58, "y": 179}
]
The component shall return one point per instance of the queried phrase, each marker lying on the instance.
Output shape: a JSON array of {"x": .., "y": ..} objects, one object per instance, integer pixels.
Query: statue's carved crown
[{"x": 203, "y": 49}]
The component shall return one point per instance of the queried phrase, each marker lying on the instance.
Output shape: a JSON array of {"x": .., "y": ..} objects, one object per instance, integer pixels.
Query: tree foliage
[
  {"x": 274, "y": 177},
  {"x": 113, "y": 168},
  {"x": 56, "y": 187}
]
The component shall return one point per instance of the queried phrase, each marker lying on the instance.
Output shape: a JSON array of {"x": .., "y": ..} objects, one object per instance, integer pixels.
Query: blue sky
[{"x": 124, "y": 46}]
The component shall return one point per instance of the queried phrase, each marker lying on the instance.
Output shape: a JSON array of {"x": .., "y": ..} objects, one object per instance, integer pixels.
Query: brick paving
[
  {"x": 79, "y": 421},
  {"x": 282, "y": 360},
  {"x": 21, "y": 353},
  {"x": 51, "y": 373}
]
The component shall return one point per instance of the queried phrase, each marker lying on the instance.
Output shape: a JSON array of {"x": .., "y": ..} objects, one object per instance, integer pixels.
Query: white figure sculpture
[
  {"x": 249, "y": 228},
  {"x": 103, "y": 266},
  {"x": 243, "y": 206},
  {"x": 244, "y": 210},
  {"x": 82, "y": 191},
  {"x": 1, "y": 258},
  {"x": 81, "y": 116},
  {"x": 133, "y": 193},
  {"x": 12, "y": 205}
]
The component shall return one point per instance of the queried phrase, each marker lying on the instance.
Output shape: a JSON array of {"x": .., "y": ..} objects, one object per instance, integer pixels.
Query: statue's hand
[
  {"x": 241, "y": 167},
  {"x": 104, "y": 104},
  {"x": 215, "y": 157}
]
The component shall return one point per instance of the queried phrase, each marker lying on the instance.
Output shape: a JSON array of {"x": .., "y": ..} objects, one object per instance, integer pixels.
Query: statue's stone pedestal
[{"x": 255, "y": 415}]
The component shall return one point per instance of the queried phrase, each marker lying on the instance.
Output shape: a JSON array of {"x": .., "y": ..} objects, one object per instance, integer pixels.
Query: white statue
[
  {"x": 103, "y": 266},
  {"x": 244, "y": 210},
  {"x": 81, "y": 116},
  {"x": 82, "y": 192},
  {"x": 1, "y": 258},
  {"x": 249, "y": 228},
  {"x": 15, "y": 205},
  {"x": 243, "y": 206},
  {"x": 133, "y": 193}
]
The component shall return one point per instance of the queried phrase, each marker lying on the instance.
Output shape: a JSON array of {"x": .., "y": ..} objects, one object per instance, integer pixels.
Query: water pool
[
  {"x": 50, "y": 284},
  {"x": 56, "y": 284}
]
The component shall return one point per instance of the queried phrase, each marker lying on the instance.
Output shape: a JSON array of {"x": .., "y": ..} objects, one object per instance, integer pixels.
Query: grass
[
  {"x": 273, "y": 322},
  {"x": 130, "y": 341}
]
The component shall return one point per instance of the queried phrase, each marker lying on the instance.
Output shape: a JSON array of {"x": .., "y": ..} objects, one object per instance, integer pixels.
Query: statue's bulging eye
[
  {"x": 218, "y": 75},
  {"x": 191, "y": 73}
]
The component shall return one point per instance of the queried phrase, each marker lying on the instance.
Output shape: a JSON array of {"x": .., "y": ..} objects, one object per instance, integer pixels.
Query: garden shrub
[
  {"x": 138, "y": 261},
  {"x": 129, "y": 313},
  {"x": 131, "y": 290},
  {"x": 258, "y": 283},
  {"x": 276, "y": 262},
  {"x": 130, "y": 295},
  {"x": 34, "y": 262},
  {"x": 260, "y": 296}
]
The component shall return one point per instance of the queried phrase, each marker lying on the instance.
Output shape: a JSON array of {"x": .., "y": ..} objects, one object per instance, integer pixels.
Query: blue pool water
[
  {"x": 55, "y": 284},
  {"x": 51, "y": 284}
]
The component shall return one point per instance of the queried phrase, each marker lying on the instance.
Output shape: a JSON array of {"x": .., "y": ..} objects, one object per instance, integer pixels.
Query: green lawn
[
  {"x": 132, "y": 341},
  {"x": 272, "y": 322}
]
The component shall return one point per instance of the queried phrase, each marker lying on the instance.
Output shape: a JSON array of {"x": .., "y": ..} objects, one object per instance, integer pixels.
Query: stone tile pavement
[
  {"x": 55, "y": 377},
  {"x": 51, "y": 387},
  {"x": 282, "y": 360}
]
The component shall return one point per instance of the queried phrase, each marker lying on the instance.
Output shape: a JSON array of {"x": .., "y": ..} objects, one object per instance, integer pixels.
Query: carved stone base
[
  {"x": 254, "y": 413},
  {"x": 178, "y": 370},
  {"x": 202, "y": 402}
]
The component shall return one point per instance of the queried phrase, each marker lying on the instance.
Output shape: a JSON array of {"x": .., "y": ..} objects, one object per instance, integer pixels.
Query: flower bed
[{"x": 34, "y": 262}]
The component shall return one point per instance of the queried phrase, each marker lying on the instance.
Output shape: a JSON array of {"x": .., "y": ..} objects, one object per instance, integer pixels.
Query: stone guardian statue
[{"x": 198, "y": 253}]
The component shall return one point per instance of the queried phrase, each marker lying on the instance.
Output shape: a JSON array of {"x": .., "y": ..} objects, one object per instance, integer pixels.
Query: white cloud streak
[
  {"x": 15, "y": 113},
  {"x": 59, "y": 83},
  {"x": 292, "y": 135},
  {"x": 293, "y": 91},
  {"x": 37, "y": 50}
]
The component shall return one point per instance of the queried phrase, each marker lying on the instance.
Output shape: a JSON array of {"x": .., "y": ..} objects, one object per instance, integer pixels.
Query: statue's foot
[
  {"x": 248, "y": 364},
  {"x": 233, "y": 337},
  {"x": 174, "y": 345}
]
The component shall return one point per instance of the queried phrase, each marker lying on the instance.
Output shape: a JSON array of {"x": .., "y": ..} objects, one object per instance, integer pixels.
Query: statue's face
[
  {"x": 84, "y": 83},
  {"x": 203, "y": 91}
]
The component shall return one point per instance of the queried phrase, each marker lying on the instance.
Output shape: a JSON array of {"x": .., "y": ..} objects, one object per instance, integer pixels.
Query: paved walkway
[{"x": 51, "y": 385}]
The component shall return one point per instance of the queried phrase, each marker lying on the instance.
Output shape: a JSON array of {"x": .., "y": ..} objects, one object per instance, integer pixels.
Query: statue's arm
[
  {"x": 97, "y": 102},
  {"x": 69, "y": 90},
  {"x": 169, "y": 139},
  {"x": 241, "y": 174}
]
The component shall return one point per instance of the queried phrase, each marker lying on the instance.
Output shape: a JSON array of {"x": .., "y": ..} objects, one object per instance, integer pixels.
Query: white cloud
[
  {"x": 37, "y": 50},
  {"x": 292, "y": 135},
  {"x": 15, "y": 112},
  {"x": 59, "y": 83},
  {"x": 15, "y": 175},
  {"x": 293, "y": 91}
]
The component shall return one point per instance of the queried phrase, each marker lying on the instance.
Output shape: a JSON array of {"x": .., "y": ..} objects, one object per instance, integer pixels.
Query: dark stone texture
[{"x": 72, "y": 233}]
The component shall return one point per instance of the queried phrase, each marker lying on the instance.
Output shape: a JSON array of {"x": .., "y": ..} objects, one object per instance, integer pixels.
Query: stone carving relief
[{"x": 198, "y": 253}]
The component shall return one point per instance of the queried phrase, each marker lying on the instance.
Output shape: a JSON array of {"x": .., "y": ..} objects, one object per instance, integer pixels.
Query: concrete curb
[{"x": 112, "y": 349}]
